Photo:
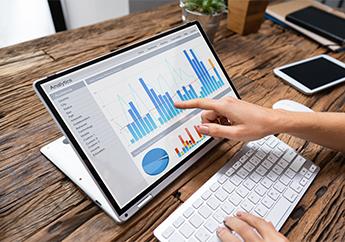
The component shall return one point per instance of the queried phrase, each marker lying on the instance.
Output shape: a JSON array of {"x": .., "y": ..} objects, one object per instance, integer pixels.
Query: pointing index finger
[{"x": 202, "y": 103}]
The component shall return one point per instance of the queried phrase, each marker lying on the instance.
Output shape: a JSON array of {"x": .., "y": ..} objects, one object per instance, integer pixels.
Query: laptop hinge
[{"x": 143, "y": 202}]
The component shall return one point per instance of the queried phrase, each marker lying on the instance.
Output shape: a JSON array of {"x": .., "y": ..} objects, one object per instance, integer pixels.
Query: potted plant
[{"x": 207, "y": 12}]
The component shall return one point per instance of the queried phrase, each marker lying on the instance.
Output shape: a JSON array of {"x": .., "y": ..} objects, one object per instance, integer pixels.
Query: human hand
[
  {"x": 232, "y": 118},
  {"x": 244, "y": 224}
]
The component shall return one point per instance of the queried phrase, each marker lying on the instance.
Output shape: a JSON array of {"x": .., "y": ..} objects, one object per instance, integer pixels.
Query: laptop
[{"x": 125, "y": 136}]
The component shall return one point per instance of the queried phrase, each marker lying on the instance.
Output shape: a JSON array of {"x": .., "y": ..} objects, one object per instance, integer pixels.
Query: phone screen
[{"x": 315, "y": 73}]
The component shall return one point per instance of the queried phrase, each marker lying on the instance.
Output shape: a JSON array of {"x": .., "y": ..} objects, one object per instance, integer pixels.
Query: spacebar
[{"x": 279, "y": 210}]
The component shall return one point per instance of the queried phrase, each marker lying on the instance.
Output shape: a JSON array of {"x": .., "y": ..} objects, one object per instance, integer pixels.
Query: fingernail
[
  {"x": 239, "y": 213},
  {"x": 203, "y": 129},
  {"x": 219, "y": 230}
]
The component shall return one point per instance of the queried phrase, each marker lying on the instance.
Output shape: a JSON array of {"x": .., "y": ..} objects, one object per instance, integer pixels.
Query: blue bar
[
  {"x": 160, "y": 105},
  {"x": 171, "y": 108},
  {"x": 132, "y": 141},
  {"x": 148, "y": 123},
  {"x": 138, "y": 116},
  {"x": 186, "y": 93},
  {"x": 160, "y": 120},
  {"x": 197, "y": 64},
  {"x": 180, "y": 95},
  {"x": 206, "y": 84},
  {"x": 191, "y": 94},
  {"x": 194, "y": 68},
  {"x": 184, "y": 149},
  {"x": 137, "y": 122},
  {"x": 176, "y": 111},
  {"x": 203, "y": 91},
  {"x": 220, "y": 79},
  {"x": 193, "y": 91},
  {"x": 130, "y": 128},
  {"x": 208, "y": 76},
  {"x": 185, "y": 97},
  {"x": 136, "y": 130},
  {"x": 169, "y": 113},
  {"x": 151, "y": 96},
  {"x": 151, "y": 121},
  {"x": 216, "y": 82}
]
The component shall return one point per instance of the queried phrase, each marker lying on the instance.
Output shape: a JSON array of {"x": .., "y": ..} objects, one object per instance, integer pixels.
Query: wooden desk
[{"x": 37, "y": 202}]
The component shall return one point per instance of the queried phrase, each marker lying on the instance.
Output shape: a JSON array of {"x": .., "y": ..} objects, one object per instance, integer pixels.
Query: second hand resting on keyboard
[{"x": 238, "y": 120}]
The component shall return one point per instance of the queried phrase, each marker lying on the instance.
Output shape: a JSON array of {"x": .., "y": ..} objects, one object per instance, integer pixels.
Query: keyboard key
[
  {"x": 278, "y": 211},
  {"x": 272, "y": 142},
  {"x": 197, "y": 203},
  {"x": 260, "y": 154},
  {"x": 266, "y": 149},
  {"x": 274, "y": 194},
  {"x": 303, "y": 171},
  {"x": 242, "y": 191},
  {"x": 236, "y": 180},
  {"x": 247, "y": 206},
  {"x": 214, "y": 238},
  {"x": 261, "y": 190},
  {"x": 186, "y": 230},
  {"x": 285, "y": 180},
  {"x": 249, "y": 184},
  {"x": 168, "y": 232},
  {"x": 290, "y": 195},
  {"x": 222, "y": 179},
  {"x": 279, "y": 186},
  {"x": 267, "y": 164},
  {"x": 178, "y": 222},
  {"x": 221, "y": 194},
  {"x": 214, "y": 186},
  {"x": 261, "y": 210},
  {"x": 255, "y": 160},
  {"x": 243, "y": 158},
  {"x": 290, "y": 173},
  {"x": 297, "y": 163},
  {"x": 308, "y": 174},
  {"x": 312, "y": 168},
  {"x": 235, "y": 199},
  {"x": 266, "y": 182},
  {"x": 277, "y": 169},
  {"x": 277, "y": 152},
  {"x": 196, "y": 220},
  {"x": 230, "y": 171},
  {"x": 176, "y": 237},
  {"x": 283, "y": 163},
  {"x": 289, "y": 155},
  {"x": 205, "y": 211},
  {"x": 202, "y": 235},
  {"x": 296, "y": 186},
  {"x": 236, "y": 165},
  {"x": 206, "y": 194},
  {"x": 253, "y": 145},
  {"x": 273, "y": 176},
  {"x": 254, "y": 197},
  {"x": 189, "y": 211},
  {"x": 211, "y": 225},
  {"x": 213, "y": 203},
  {"x": 242, "y": 173},
  {"x": 261, "y": 170},
  {"x": 249, "y": 166},
  {"x": 255, "y": 177},
  {"x": 303, "y": 181},
  {"x": 261, "y": 141},
  {"x": 228, "y": 208},
  {"x": 282, "y": 146},
  {"x": 228, "y": 187},
  {"x": 271, "y": 157},
  {"x": 268, "y": 202},
  {"x": 219, "y": 215},
  {"x": 250, "y": 152}
]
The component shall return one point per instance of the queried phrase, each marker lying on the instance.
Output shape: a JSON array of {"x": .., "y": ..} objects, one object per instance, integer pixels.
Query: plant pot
[{"x": 209, "y": 23}]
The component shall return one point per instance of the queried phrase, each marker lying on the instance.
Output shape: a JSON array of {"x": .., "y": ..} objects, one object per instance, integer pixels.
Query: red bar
[
  {"x": 196, "y": 129},
  {"x": 181, "y": 139},
  {"x": 176, "y": 150},
  {"x": 190, "y": 136}
]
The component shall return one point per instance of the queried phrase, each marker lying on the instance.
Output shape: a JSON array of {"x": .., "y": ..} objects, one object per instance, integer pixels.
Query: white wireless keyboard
[{"x": 266, "y": 178}]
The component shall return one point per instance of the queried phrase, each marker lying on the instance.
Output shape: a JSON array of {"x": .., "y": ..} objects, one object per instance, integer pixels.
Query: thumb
[{"x": 217, "y": 130}]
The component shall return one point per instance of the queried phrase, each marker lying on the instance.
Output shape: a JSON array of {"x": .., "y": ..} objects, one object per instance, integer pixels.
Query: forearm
[{"x": 326, "y": 129}]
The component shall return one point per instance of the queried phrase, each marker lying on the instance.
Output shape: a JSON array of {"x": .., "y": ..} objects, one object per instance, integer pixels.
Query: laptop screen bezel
[{"x": 77, "y": 147}]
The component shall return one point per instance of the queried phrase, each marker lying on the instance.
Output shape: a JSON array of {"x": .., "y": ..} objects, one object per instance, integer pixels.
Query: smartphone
[{"x": 314, "y": 74}]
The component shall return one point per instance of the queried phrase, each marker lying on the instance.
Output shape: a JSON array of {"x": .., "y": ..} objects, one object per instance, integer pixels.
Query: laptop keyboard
[{"x": 266, "y": 178}]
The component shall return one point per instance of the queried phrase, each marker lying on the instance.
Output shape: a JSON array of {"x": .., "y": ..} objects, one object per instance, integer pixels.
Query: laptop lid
[{"x": 117, "y": 111}]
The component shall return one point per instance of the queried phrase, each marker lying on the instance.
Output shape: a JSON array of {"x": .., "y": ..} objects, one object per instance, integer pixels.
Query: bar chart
[
  {"x": 190, "y": 142},
  {"x": 205, "y": 83}
]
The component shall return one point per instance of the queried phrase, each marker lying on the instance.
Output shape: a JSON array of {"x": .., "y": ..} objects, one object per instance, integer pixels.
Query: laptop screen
[{"x": 120, "y": 110}]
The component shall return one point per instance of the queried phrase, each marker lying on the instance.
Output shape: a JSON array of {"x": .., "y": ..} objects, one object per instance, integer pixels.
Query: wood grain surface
[{"x": 38, "y": 203}]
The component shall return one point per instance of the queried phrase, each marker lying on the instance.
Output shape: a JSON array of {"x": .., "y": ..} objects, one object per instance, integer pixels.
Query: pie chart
[{"x": 155, "y": 161}]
